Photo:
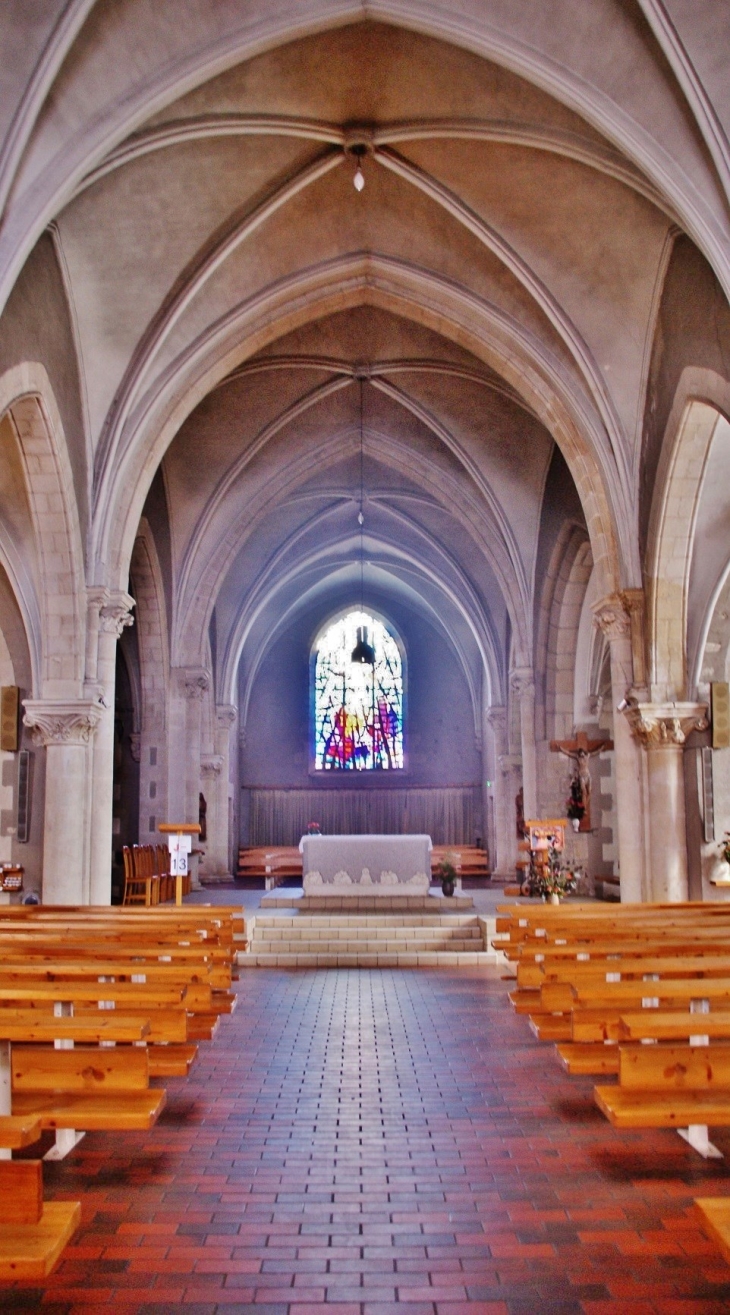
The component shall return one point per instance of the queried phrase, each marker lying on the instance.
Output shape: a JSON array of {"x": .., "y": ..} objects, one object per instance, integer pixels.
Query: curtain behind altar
[{"x": 449, "y": 815}]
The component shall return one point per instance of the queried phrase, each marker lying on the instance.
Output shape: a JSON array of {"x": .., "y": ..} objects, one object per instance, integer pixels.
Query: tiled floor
[{"x": 357, "y": 1140}]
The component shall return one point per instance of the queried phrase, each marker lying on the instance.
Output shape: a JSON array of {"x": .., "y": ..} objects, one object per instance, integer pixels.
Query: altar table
[{"x": 372, "y": 865}]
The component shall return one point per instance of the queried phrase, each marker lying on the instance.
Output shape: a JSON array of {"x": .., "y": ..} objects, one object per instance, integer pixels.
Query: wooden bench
[
  {"x": 557, "y": 962},
  {"x": 87, "y": 1088},
  {"x": 681, "y": 1087},
  {"x": 34, "y": 1232},
  {"x": 715, "y": 1212},
  {"x": 272, "y": 864}
]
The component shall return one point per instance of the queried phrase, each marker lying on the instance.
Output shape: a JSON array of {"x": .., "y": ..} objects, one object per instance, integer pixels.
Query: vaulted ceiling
[{"x": 244, "y": 316}]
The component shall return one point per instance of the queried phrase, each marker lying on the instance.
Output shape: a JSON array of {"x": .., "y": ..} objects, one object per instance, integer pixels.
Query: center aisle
[{"x": 357, "y": 1139}]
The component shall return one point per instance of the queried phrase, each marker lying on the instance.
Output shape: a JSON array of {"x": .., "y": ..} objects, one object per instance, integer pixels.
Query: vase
[
  {"x": 448, "y": 888},
  {"x": 575, "y": 822},
  {"x": 554, "y": 899}
]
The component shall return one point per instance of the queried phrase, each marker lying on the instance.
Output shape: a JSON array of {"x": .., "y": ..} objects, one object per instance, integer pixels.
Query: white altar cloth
[{"x": 372, "y": 865}]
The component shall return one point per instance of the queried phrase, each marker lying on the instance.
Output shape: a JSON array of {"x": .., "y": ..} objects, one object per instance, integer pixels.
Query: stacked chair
[{"x": 147, "y": 878}]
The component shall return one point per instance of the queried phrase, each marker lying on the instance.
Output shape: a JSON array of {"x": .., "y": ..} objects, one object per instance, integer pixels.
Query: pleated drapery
[{"x": 450, "y": 815}]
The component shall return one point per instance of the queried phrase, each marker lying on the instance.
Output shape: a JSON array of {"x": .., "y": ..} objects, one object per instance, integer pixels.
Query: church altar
[{"x": 376, "y": 865}]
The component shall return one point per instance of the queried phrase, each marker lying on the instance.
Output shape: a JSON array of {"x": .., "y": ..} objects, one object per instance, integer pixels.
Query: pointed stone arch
[
  {"x": 26, "y": 397},
  {"x": 566, "y": 581},
  {"x": 702, "y": 398}
]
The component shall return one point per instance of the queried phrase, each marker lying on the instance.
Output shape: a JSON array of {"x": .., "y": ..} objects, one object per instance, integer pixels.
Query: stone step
[
  {"x": 355, "y": 946},
  {"x": 422, "y": 959},
  {"x": 319, "y": 932},
  {"x": 295, "y": 898},
  {"x": 334, "y": 922}
]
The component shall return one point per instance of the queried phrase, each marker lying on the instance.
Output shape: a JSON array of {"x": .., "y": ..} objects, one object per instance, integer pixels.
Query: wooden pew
[
  {"x": 681, "y": 1087},
  {"x": 271, "y": 864},
  {"x": 554, "y": 963},
  {"x": 34, "y": 1232},
  {"x": 715, "y": 1212},
  {"x": 86, "y": 1088}
]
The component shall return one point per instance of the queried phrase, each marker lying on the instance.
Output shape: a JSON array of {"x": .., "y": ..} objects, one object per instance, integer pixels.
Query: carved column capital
[
  {"x": 611, "y": 616},
  {"x": 226, "y": 714},
  {"x": 664, "y": 725},
  {"x": 63, "y": 723},
  {"x": 522, "y": 682},
  {"x": 116, "y": 613},
  {"x": 211, "y": 765},
  {"x": 497, "y": 717},
  {"x": 196, "y": 682}
]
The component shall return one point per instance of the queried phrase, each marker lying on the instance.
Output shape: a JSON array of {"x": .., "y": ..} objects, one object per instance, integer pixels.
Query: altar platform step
[
  {"x": 294, "y": 897},
  {"x": 366, "y": 945},
  {"x": 359, "y": 959},
  {"x": 290, "y": 938}
]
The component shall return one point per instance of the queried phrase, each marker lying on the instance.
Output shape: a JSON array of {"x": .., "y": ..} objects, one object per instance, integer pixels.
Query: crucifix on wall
[{"x": 580, "y": 750}]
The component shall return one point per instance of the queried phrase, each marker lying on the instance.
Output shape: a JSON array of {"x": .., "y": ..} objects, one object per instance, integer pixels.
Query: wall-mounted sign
[{"x": 9, "y": 709}]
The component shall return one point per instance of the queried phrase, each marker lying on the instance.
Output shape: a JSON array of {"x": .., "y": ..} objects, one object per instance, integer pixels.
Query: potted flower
[
  {"x": 574, "y": 805},
  {"x": 446, "y": 873},
  {"x": 725, "y": 847},
  {"x": 313, "y": 829}
]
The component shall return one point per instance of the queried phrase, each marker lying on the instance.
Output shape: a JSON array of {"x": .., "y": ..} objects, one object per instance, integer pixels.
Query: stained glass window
[{"x": 358, "y": 707}]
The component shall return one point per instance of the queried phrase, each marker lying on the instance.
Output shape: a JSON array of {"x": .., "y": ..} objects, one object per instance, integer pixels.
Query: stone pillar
[
  {"x": 502, "y": 857},
  {"x": 111, "y": 611},
  {"x": 197, "y": 684},
  {"x": 663, "y": 728},
  {"x": 613, "y": 618},
  {"x": 66, "y": 731},
  {"x": 522, "y": 685},
  {"x": 226, "y": 715}
]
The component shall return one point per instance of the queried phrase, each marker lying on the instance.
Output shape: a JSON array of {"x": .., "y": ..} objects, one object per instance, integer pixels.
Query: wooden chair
[
  {"x": 144, "y": 868},
  {"x": 136, "y": 887}
]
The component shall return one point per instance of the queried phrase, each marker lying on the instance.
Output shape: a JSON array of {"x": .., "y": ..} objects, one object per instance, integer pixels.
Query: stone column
[
  {"x": 197, "y": 684},
  {"x": 66, "y": 731},
  {"x": 503, "y": 807},
  {"x": 226, "y": 715},
  {"x": 612, "y": 617},
  {"x": 662, "y": 728},
  {"x": 522, "y": 685},
  {"x": 112, "y": 611}
]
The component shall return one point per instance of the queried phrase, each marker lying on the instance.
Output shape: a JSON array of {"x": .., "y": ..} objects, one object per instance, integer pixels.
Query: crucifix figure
[{"x": 580, "y": 750}]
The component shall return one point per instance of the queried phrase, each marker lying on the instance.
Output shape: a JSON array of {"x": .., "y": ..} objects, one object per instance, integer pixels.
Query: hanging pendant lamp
[{"x": 363, "y": 653}]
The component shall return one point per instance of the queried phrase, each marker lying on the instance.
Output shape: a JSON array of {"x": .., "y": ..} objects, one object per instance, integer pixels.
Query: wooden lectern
[{"x": 179, "y": 842}]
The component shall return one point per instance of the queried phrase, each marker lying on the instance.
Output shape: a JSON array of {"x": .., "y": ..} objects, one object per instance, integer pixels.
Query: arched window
[{"x": 358, "y": 706}]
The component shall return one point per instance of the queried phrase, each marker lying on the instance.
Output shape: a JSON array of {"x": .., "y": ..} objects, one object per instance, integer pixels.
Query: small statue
[{"x": 520, "y": 812}]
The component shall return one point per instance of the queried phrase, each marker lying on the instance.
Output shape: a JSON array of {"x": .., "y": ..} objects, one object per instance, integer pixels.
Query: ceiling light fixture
[{"x": 359, "y": 152}]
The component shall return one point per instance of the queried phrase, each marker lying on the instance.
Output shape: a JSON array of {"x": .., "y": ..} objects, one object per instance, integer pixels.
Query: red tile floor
[{"x": 353, "y": 1141}]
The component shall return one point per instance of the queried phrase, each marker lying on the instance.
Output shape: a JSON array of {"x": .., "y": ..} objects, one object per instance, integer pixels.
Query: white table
[{"x": 372, "y": 865}]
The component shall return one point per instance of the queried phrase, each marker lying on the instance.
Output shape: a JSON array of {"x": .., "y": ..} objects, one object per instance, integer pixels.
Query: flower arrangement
[
  {"x": 550, "y": 879},
  {"x": 313, "y": 829},
  {"x": 725, "y": 847}
]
